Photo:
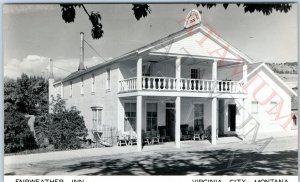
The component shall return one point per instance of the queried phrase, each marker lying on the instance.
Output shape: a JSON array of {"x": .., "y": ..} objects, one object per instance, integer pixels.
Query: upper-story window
[
  {"x": 195, "y": 73},
  {"x": 274, "y": 109},
  {"x": 71, "y": 88},
  {"x": 108, "y": 79},
  {"x": 254, "y": 107},
  {"x": 93, "y": 83},
  {"x": 82, "y": 87},
  {"x": 146, "y": 69}
]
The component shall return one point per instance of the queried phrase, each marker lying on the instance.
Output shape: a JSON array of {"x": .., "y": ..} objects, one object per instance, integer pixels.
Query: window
[
  {"x": 198, "y": 117},
  {"x": 254, "y": 107},
  {"x": 130, "y": 117},
  {"x": 151, "y": 116},
  {"x": 71, "y": 88},
  {"x": 273, "y": 109},
  {"x": 108, "y": 79},
  {"x": 146, "y": 69},
  {"x": 93, "y": 83},
  {"x": 295, "y": 120},
  {"x": 97, "y": 118},
  {"x": 81, "y": 87},
  {"x": 195, "y": 73}
]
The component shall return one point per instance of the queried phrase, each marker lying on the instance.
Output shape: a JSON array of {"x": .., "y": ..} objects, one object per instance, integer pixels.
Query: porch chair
[
  {"x": 163, "y": 134},
  {"x": 121, "y": 140},
  {"x": 132, "y": 138},
  {"x": 184, "y": 132},
  {"x": 146, "y": 137},
  {"x": 197, "y": 133},
  {"x": 154, "y": 137}
]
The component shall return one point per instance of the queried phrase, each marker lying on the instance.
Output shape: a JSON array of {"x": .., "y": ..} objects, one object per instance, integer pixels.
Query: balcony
[{"x": 150, "y": 83}]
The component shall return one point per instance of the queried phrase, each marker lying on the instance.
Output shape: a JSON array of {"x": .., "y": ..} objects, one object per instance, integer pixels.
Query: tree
[
  {"x": 17, "y": 134},
  {"x": 143, "y": 10},
  {"x": 63, "y": 127}
]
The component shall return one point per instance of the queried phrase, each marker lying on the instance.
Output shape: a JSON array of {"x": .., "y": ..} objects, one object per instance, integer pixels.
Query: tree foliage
[
  {"x": 143, "y": 10},
  {"x": 17, "y": 134},
  {"x": 28, "y": 95},
  {"x": 63, "y": 127}
]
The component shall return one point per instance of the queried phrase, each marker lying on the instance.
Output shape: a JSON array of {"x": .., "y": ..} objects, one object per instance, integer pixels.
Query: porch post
[
  {"x": 139, "y": 73},
  {"x": 178, "y": 72},
  {"x": 139, "y": 122},
  {"x": 214, "y": 121},
  {"x": 177, "y": 121}
]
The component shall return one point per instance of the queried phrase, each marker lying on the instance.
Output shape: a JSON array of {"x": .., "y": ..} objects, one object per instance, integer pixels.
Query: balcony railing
[{"x": 169, "y": 84}]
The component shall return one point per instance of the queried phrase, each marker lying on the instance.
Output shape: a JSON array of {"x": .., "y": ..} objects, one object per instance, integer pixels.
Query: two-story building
[{"x": 190, "y": 77}]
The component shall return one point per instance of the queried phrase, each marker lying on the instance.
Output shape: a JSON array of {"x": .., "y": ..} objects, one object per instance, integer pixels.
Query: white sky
[{"x": 34, "y": 33}]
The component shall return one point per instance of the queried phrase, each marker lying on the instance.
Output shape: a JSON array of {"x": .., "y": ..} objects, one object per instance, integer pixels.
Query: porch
[{"x": 155, "y": 120}]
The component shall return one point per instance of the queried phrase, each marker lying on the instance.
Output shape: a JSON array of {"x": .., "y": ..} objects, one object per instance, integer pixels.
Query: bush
[
  {"x": 17, "y": 134},
  {"x": 63, "y": 127}
]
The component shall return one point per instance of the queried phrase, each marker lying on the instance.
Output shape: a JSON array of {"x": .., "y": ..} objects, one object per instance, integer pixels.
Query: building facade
[{"x": 191, "y": 78}]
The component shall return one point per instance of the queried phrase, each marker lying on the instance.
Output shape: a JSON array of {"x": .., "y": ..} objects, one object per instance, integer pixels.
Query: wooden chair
[
  {"x": 163, "y": 134},
  {"x": 154, "y": 137},
  {"x": 146, "y": 137},
  {"x": 122, "y": 140}
]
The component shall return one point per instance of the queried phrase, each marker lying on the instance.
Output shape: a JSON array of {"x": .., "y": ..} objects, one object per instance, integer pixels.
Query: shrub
[
  {"x": 17, "y": 134},
  {"x": 63, "y": 127}
]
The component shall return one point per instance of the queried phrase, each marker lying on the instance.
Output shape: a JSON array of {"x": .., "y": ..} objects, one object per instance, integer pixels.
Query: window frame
[
  {"x": 98, "y": 121},
  {"x": 108, "y": 79},
  {"x": 93, "y": 84},
  {"x": 257, "y": 107},
  {"x": 130, "y": 122},
  {"x": 152, "y": 117}
]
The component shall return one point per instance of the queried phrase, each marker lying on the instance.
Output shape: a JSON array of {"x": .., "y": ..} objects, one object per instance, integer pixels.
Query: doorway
[
  {"x": 231, "y": 117},
  {"x": 170, "y": 120}
]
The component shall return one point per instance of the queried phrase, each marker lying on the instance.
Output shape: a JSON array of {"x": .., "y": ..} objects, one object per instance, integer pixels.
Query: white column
[
  {"x": 177, "y": 121},
  {"x": 139, "y": 122},
  {"x": 214, "y": 113},
  {"x": 214, "y": 70},
  {"x": 139, "y": 73},
  {"x": 178, "y": 72}
]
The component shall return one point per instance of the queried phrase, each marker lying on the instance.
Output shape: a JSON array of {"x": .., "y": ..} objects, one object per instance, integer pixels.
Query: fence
[{"x": 105, "y": 136}]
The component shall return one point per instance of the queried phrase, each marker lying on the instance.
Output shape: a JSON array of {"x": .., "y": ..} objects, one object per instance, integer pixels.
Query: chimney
[
  {"x": 51, "y": 76},
  {"x": 81, "y": 63}
]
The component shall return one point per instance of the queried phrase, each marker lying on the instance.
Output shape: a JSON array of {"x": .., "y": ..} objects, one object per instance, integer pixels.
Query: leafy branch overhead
[{"x": 143, "y": 10}]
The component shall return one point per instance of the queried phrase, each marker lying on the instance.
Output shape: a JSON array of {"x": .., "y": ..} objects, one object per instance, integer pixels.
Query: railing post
[
  {"x": 215, "y": 75},
  {"x": 178, "y": 73}
]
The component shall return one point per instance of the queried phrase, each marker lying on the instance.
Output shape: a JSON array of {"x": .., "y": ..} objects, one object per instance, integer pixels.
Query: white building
[{"x": 210, "y": 85}]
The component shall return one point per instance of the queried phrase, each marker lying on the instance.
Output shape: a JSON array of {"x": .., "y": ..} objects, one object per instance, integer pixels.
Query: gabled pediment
[{"x": 199, "y": 42}]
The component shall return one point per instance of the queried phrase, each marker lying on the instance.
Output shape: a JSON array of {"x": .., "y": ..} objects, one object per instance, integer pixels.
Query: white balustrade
[{"x": 191, "y": 85}]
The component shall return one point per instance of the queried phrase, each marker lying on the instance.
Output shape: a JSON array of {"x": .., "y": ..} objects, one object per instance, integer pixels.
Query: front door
[
  {"x": 170, "y": 120},
  {"x": 231, "y": 117}
]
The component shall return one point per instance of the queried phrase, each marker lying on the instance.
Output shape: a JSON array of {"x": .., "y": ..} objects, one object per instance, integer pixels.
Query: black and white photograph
[{"x": 199, "y": 89}]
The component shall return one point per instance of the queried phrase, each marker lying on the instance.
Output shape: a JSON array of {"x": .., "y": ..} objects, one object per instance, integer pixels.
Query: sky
[{"x": 33, "y": 33}]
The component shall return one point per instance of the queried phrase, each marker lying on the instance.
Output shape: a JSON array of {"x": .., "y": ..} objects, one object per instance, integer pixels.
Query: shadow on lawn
[{"x": 220, "y": 162}]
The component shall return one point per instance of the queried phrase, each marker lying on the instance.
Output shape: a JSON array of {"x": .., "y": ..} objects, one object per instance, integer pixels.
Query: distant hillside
[{"x": 284, "y": 68}]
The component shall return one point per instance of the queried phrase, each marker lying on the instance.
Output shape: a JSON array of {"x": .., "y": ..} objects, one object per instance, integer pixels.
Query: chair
[
  {"x": 197, "y": 133},
  {"x": 163, "y": 134},
  {"x": 146, "y": 137},
  {"x": 184, "y": 131},
  {"x": 154, "y": 137},
  {"x": 122, "y": 140},
  {"x": 132, "y": 139}
]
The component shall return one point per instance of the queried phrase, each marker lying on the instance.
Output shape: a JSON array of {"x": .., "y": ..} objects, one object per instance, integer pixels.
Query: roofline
[
  {"x": 156, "y": 43},
  {"x": 275, "y": 76}
]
